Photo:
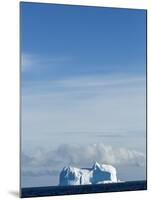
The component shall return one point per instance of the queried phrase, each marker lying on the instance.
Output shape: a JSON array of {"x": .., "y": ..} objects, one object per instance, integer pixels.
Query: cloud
[
  {"x": 86, "y": 103},
  {"x": 32, "y": 62},
  {"x": 27, "y": 62},
  {"x": 85, "y": 155},
  {"x": 44, "y": 162},
  {"x": 95, "y": 81},
  {"x": 36, "y": 173}
]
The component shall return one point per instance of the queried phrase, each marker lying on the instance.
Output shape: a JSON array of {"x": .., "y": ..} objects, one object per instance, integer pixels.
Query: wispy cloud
[
  {"x": 34, "y": 62},
  {"x": 84, "y": 103},
  {"x": 95, "y": 81},
  {"x": 26, "y": 62},
  {"x": 85, "y": 85}
]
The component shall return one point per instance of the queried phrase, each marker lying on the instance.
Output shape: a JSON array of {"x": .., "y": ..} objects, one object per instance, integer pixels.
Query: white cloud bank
[{"x": 82, "y": 156}]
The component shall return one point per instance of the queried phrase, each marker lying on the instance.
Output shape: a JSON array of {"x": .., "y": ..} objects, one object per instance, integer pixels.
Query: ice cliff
[{"x": 81, "y": 176}]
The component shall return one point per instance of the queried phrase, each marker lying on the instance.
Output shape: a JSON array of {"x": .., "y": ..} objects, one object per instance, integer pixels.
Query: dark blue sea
[{"x": 83, "y": 189}]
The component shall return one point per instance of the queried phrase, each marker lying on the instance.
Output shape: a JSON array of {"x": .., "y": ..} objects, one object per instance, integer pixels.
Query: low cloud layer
[
  {"x": 51, "y": 162},
  {"x": 40, "y": 172}
]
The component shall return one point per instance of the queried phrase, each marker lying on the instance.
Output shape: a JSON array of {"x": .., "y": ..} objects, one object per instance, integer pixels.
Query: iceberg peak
[{"x": 96, "y": 166}]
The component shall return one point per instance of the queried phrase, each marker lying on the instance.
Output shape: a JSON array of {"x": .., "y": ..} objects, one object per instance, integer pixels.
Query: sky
[{"x": 83, "y": 72}]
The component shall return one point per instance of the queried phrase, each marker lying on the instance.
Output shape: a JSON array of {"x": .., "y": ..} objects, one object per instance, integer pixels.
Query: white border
[{"x": 9, "y": 98}]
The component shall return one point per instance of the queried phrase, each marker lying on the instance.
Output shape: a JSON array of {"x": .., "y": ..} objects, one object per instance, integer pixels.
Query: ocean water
[{"x": 83, "y": 189}]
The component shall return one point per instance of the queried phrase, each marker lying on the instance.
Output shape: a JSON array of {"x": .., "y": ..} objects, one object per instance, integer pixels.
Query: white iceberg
[{"x": 81, "y": 176}]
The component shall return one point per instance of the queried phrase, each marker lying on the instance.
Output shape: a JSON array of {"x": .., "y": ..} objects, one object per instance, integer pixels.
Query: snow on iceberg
[{"x": 81, "y": 176}]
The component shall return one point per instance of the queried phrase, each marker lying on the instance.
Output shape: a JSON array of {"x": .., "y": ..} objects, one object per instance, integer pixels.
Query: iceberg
[{"x": 81, "y": 176}]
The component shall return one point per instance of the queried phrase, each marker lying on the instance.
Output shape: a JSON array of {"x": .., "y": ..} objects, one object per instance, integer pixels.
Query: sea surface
[{"x": 83, "y": 189}]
